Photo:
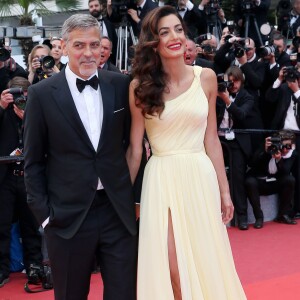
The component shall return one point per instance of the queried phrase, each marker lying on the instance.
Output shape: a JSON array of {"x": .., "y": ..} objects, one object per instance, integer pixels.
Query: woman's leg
[{"x": 174, "y": 272}]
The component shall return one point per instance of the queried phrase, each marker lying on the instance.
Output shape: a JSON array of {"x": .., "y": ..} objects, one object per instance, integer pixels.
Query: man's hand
[
  {"x": 242, "y": 60},
  {"x": 270, "y": 58},
  {"x": 137, "y": 211},
  {"x": 19, "y": 112},
  {"x": 133, "y": 15},
  {"x": 6, "y": 99},
  {"x": 224, "y": 96}
]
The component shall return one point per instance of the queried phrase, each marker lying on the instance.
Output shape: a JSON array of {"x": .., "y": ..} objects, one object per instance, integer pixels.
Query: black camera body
[
  {"x": 291, "y": 73},
  {"x": 223, "y": 84},
  {"x": 40, "y": 275},
  {"x": 47, "y": 62},
  {"x": 4, "y": 53},
  {"x": 247, "y": 5},
  {"x": 20, "y": 97},
  {"x": 239, "y": 48},
  {"x": 276, "y": 145}
]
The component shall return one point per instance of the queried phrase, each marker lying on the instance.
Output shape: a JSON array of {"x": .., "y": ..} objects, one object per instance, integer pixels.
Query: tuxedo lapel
[
  {"x": 108, "y": 100},
  {"x": 64, "y": 100}
]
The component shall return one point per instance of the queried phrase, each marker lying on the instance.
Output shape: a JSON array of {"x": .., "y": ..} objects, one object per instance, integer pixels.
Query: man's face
[
  {"x": 287, "y": 146},
  {"x": 280, "y": 45},
  {"x": 250, "y": 49},
  {"x": 83, "y": 50},
  {"x": 236, "y": 85},
  {"x": 95, "y": 8},
  {"x": 190, "y": 53},
  {"x": 105, "y": 48},
  {"x": 296, "y": 7}
]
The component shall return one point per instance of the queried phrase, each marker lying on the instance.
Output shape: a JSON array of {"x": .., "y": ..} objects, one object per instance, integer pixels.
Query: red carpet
[{"x": 267, "y": 261}]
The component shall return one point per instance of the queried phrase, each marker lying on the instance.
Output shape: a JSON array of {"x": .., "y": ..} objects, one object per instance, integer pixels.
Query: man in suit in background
[
  {"x": 106, "y": 50},
  {"x": 76, "y": 174},
  {"x": 234, "y": 106},
  {"x": 106, "y": 27}
]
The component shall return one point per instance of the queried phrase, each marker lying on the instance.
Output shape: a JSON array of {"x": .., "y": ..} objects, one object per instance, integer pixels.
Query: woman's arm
[
  {"x": 135, "y": 149},
  {"x": 212, "y": 143}
]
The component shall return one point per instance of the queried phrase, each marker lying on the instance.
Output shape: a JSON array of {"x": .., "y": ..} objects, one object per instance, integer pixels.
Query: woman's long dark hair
[{"x": 147, "y": 66}]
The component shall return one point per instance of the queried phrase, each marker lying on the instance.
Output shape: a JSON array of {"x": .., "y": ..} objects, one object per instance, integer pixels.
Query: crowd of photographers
[{"x": 258, "y": 115}]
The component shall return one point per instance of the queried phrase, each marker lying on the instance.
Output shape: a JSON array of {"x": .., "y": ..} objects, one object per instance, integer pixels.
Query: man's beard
[{"x": 96, "y": 13}]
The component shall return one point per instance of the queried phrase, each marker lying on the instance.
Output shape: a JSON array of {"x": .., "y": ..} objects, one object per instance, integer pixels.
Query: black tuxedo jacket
[
  {"x": 61, "y": 166},
  {"x": 281, "y": 97},
  {"x": 239, "y": 112},
  {"x": 9, "y": 136},
  {"x": 110, "y": 67}
]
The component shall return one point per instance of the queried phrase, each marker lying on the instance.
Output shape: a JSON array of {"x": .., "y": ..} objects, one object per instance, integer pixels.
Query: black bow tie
[
  {"x": 181, "y": 9},
  {"x": 139, "y": 8},
  {"x": 93, "y": 82},
  {"x": 233, "y": 95}
]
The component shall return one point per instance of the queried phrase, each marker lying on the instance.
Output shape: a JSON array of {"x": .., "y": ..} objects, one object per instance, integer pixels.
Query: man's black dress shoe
[
  {"x": 259, "y": 223},
  {"x": 3, "y": 280},
  {"x": 286, "y": 220},
  {"x": 243, "y": 226},
  {"x": 297, "y": 215}
]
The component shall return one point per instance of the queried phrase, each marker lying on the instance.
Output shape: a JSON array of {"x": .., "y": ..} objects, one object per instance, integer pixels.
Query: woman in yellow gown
[{"x": 184, "y": 251}]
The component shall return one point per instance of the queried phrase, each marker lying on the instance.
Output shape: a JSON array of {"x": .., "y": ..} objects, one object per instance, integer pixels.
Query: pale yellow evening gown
[{"x": 180, "y": 177}]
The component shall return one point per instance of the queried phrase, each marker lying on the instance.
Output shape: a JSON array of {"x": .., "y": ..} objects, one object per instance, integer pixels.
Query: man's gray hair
[{"x": 78, "y": 21}]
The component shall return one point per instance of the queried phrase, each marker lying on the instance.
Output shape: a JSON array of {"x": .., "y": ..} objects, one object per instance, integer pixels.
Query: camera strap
[{"x": 34, "y": 288}]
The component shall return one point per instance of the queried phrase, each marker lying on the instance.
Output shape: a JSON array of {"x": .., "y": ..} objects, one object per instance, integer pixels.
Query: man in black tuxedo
[
  {"x": 285, "y": 94},
  {"x": 294, "y": 21},
  {"x": 76, "y": 174},
  {"x": 234, "y": 106},
  {"x": 107, "y": 28}
]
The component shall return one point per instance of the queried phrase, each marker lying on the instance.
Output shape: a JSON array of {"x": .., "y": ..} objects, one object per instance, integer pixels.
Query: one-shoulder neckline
[{"x": 196, "y": 76}]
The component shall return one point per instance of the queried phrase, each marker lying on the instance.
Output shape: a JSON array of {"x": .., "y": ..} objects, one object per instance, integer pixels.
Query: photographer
[
  {"x": 41, "y": 64},
  {"x": 270, "y": 173},
  {"x": 13, "y": 198},
  {"x": 234, "y": 106},
  {"x": 285, "y": 95},
  {"x": 8, "y": 67},
  {"x": 294, "y": 21},
  {"x": 255, "y": 10},
  {"x": 241, "y": 52},
  {"x": 274, "y": 57}
]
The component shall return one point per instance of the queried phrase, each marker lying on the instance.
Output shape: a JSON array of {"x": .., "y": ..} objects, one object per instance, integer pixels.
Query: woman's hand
[{"x": 227, "y": 208}]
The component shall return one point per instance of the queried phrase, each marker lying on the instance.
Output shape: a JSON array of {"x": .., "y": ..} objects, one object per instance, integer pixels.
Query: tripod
[
  {"x": 213, "y": 25},
  {"x": 247, "y": 21},
  {"x": 122, "y": 47}
]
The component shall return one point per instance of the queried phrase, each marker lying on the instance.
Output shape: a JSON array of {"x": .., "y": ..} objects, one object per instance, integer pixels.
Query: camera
[
  {"x": 40, "y": 275},
  {"x": 283, "y": 8},
  {"x": 239, "y": 48},
  {"x": 203, "y": 37},
  {"x": 20, "y": 97},
  {"x": 266, "y": 50},
  {"x": 47, "y": 62},
  {"x": 4, "y": 53},
  {"x": 223, "y": 83},
  {"x": 121, "y": 7},
  {"x": 247, "y": 5},
  {"x": 291, "y": 73},
  {"x": 277, "y": 145}
]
